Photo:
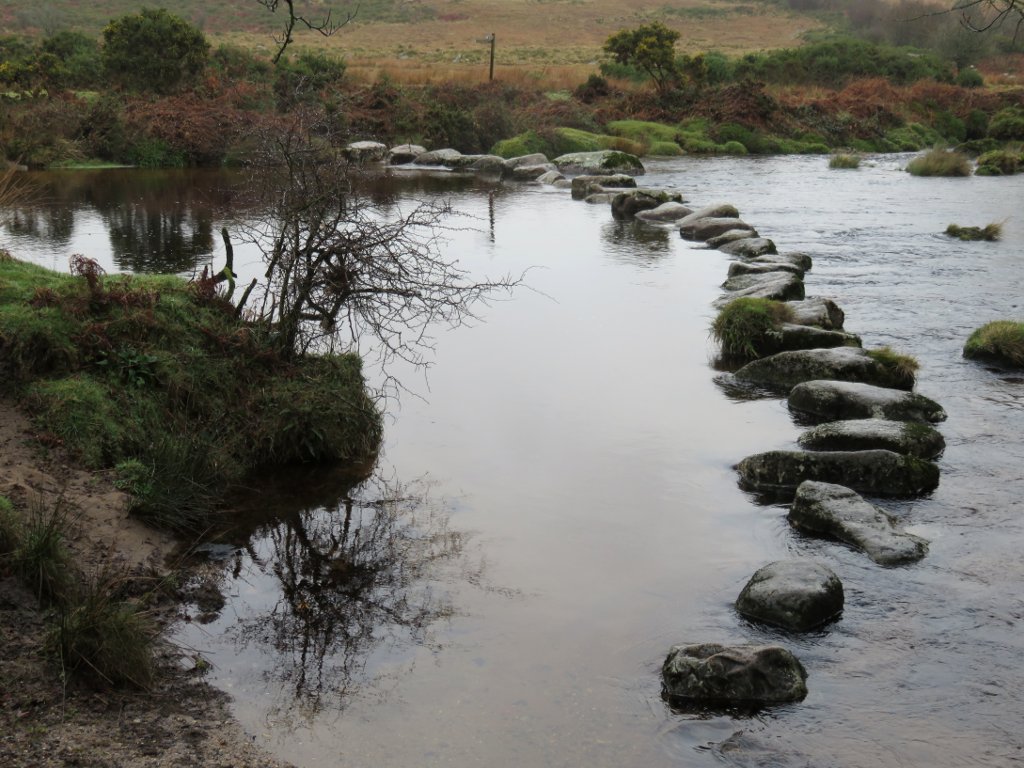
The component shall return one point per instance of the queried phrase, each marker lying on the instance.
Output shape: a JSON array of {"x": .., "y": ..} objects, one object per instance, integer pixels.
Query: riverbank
[{"x": 182, "y": 721}]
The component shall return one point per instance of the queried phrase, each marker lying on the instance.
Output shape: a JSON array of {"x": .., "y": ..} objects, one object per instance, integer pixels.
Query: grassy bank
[{"x": 159, "y": 380}]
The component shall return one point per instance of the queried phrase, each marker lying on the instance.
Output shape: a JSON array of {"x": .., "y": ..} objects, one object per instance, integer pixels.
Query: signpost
[{"x": 489, "y": 39}]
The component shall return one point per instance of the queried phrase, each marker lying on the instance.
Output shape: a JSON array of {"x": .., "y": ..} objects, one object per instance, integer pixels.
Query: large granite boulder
[
  {"x": 780, "y": 286},
  {"x": 666, "y": 213},
  {"x": 602, "y": 161},
  {"x": 750, "y": 248},
  {"x": 835, "y": 400},
  {"x": 625, "y": 205},
  {"x": 909, "y": 437},
  {"x": 787, "y": 369},
  {"x": 740, "y": 675},
  {"x": 763, "y": 267},
  {"x": 366, "y": 152},
  {"x": 797, "y": 595},
  {"x": 729, "y": 236},
  {"x": 585, "y": 186},
  {"x": 702, "y": 229},
  {"x": 877, "y": 472},
  {"x": 405, "y": 153},
  {"x": 438, "y": 157},
  {"x": 821, "y": 312},
  {"x": 827, "y": 509}
]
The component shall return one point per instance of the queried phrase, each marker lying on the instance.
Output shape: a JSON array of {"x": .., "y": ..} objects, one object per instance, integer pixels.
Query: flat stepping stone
[
  {"x": 779, "y": 286},
  {"x": 749, "y": 268},
  {"x": 585, "y": 186},
  {"x": 826, "y": 509},
  {"x": 824, "y": 313},
  {"x": 438, "y": 157},
  {"x": 716, "y": 211},
  {"x": 798, "y": 595},
  {"x": 793, "y": 337},
  {"x": 666, "y": 213},
  {"x": 751, "y": 248},
  {"x": 405, "y": 153},
  {"x": 787, "y": 369},
  {"x": 727, "y": 237},
  {"x": 802, "y": 260},
  {"x": 626, "y": 205},
  {"x": 606, "y": 160},
  {"x": 744, "y": 675},
  {"x": 876, "y": 472},
  {"x": 835, "y": 400},
  {"x": 909, "y": 437},
  {"x": 702, "y": 229}
]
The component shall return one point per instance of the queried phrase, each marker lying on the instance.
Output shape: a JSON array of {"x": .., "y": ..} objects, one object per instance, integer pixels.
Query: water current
[{"x": 555, "y": 505}]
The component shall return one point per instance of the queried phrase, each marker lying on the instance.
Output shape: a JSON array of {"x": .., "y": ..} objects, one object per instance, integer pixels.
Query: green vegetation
[
  {"x": 154, "y": 51},
  {"x": 989, "y": 232},
  {"x": 1001, "y": 341},
  {"x": 1007, "y": 124},
  {"x": 1000, "y": 162},
  {"x": 901, "y": 368},
  {"x": 161, "y": 378},
  {"x": 649, "y": 48},
  {"x": 38, "y": 556},
  {"x": 844, "y": 160},
  {"x": 747, "y": 328},
  {"x": 940, "y": 162}
]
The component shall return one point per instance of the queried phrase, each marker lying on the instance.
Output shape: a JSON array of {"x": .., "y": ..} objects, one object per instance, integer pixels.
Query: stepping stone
[
  {"x": 797, "y": 595},
  {"x": 787, "y": 369},
  {"x": 745, "y": 675},
  {"x": 909, "y": 437},
  {"x": 826, "y": 509},
  {"x": 834, "y": 400}
]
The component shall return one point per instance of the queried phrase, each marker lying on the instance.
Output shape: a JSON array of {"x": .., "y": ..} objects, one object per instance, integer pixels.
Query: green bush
[
  {"x": 1002, "y": 162},
  {"x": 940, "y": 162},
  {"x": 527, "y": 143},
  {"x": 1007, "y": 124},
  {"x": 154, "y": 50},
  {"x": 912, "y": 138},
  {"x": 949, "y": 126},
  {"x": 733, "y": 148},
  {"x": 747, "y": 328},
  {"x": 1001, "y": 341},
  {"x": 664, "y": 149},
  {"x": 970, "y": 78},
  {"x": 976, "y": 125}
]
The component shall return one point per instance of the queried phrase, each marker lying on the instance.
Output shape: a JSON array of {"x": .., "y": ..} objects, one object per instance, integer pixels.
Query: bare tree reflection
[{"x": 364, "y": 574}]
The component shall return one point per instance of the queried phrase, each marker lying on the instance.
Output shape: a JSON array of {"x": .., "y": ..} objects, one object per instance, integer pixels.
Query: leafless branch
[{"x": 326, "y": 25}]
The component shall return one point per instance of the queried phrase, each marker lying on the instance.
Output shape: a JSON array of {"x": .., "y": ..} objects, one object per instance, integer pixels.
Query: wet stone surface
[{"x": 797, "y": 595}]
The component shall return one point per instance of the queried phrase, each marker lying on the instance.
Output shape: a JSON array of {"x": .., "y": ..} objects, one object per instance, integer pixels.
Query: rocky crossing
[{"x": 871, "y": 434}]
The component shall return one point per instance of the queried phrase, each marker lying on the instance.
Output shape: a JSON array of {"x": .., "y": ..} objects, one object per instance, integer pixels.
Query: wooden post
[{"x": 490, "y": 76}]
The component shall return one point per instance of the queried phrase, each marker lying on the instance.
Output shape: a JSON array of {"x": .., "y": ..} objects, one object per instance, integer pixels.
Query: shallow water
[{"x": 566, "y": 508}]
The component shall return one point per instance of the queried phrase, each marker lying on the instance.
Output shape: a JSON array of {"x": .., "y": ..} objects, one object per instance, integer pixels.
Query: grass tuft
[
  {"x": 38, "y": 556},
  {"x": 102, "y": 639},
  {"x": 902, "y": 368},
  {"x": 1001, "y": 341},
  {"x": 745, "y": 327},
  {"x": 989, "y": 232},
  {"x": 844, "y": 160},
  {"x": 10, "y": 528},
  {"x": 940, "y": 162}
]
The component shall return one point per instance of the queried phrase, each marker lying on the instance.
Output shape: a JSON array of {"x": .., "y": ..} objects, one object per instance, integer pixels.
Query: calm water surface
[{"x": 555, "y": 505}]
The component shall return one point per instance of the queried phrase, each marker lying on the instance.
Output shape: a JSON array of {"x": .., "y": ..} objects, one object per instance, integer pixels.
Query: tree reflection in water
[{"x": 365, "y": 574}]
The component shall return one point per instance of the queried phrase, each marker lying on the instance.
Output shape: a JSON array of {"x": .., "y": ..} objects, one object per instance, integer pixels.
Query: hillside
[{"x": 535, "y": 32}]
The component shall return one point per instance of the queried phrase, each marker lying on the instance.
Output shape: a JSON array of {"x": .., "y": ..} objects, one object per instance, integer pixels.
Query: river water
[{"x": 555, "y": 504}]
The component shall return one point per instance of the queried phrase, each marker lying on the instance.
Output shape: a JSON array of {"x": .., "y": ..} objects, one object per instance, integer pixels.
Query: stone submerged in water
[
  {"x": 787, "y": 369},
  {"x": 777, "y": 474},
  {"x": 798, "y": 595},
  {"x": 827, "y": 509},
  {"x": 909, "y": 437},
  {"x": 716, "y": 211},
  {"x": 742, "y": 675},
  {"x": 626, "y": 205},
  {"x": 835, "y": 400}
]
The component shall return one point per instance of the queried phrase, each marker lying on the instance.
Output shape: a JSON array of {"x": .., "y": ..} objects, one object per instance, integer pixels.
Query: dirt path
[{"x": 183, "y": 722}]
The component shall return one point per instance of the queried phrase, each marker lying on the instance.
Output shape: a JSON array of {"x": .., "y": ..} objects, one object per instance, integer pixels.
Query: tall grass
[
  {"x": 1000, "y": 341},
  {"x": 844, "y": 160},
  {"x": 745, "y": 327},
  {"x": 990, "y": 232},
  {"x": 102, "y": 639},
  {"x": 38, "y": 556},
  {"x": 901, "y": 368},
  {"x": 940, "y": 162}
]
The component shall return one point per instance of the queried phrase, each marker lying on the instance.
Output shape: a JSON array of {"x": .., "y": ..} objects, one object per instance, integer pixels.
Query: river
[{"x": 555, "y": 504}]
